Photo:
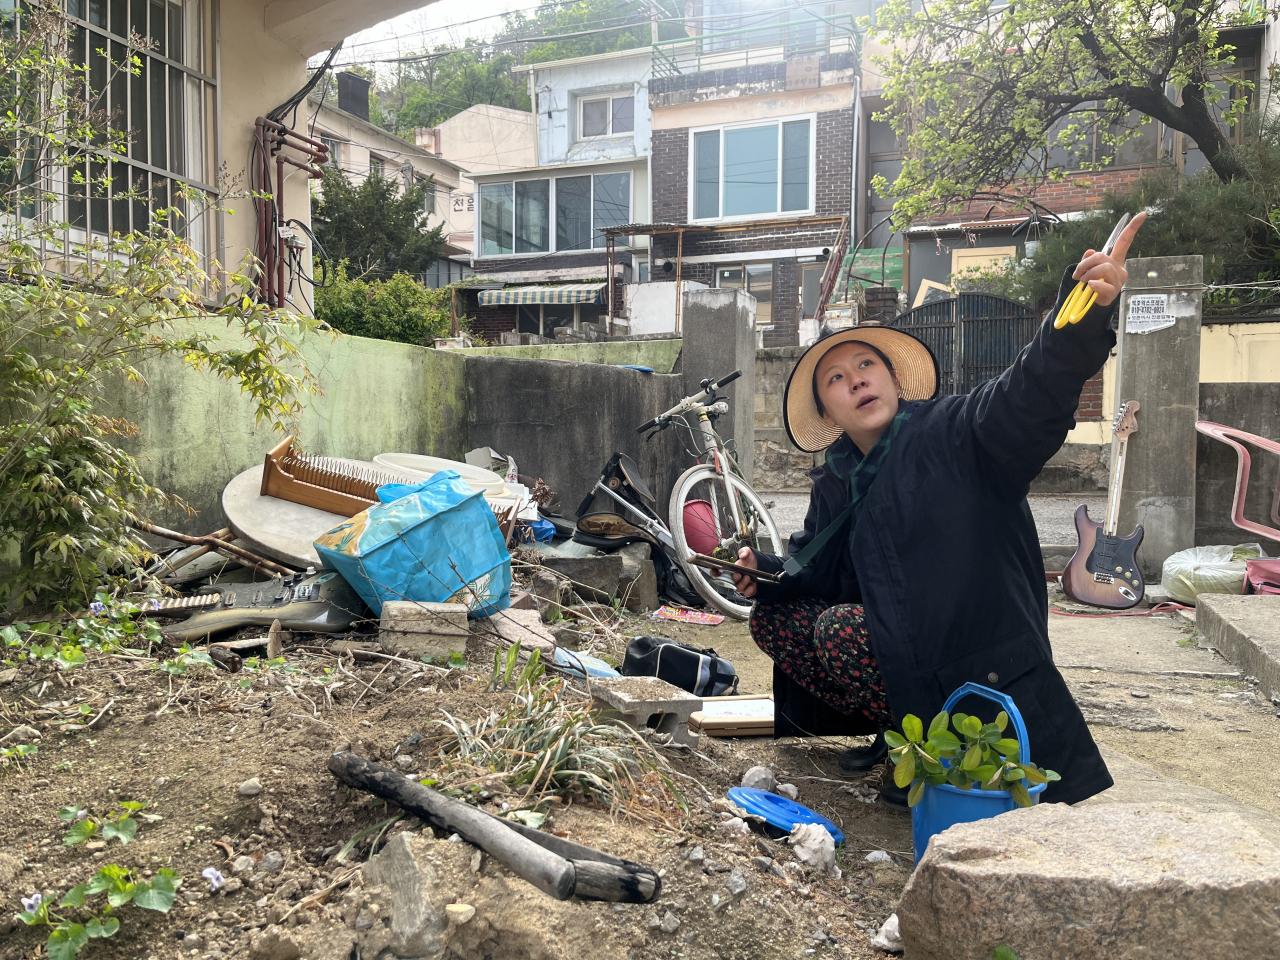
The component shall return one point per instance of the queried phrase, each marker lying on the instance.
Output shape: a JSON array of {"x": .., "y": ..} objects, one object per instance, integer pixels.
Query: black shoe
[
  {"x": 862, "y": 760},
  {"x": 893, "y": 796}
]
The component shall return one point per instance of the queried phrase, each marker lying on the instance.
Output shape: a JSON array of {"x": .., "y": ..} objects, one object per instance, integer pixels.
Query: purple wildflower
[{"x": 32, "y": 904}]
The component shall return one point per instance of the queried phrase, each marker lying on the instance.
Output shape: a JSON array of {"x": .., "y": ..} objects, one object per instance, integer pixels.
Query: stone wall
[{"x": 779, "y": 465}]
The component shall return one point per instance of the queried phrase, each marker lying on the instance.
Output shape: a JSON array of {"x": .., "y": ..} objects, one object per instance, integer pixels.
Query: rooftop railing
[{"x": 747, "y": 46}]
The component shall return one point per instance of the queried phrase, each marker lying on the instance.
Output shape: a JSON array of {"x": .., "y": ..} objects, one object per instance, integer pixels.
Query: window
[
  {"x": 533, "y": 216},
  {"x": 611, "y": 204},
  {"x": 167, "y": 103},
  {"x": 377, "y": 166},
  {"x": 757, "y": 280},
  {"x": 497, "y": 212},
  {"x": 335, "y": 150},
  {"x": 755, "y": 170},
  {"x": 428, "y": 196},
  {"x": 517, "y": 217},
  {"x": 606, "y": 116},
  {"x": 573, "y": 213}
]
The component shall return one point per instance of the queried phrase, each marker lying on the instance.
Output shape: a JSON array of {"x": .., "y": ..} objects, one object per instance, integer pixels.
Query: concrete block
[
  {"x": 1245, "y": 630},
  {"x": 414, "y": 630},
  {"x": 593, "y": 578},
  {"x": 719, "y": 327},
  {"x": 638, "y": 584},
  {"x": 647, "y": 702}
]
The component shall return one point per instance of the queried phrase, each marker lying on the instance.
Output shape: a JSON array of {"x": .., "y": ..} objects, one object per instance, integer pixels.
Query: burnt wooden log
[{"x": 558, "y": 867}]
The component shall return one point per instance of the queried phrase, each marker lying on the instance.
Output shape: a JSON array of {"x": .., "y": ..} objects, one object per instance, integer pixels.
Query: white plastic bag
[{"x": 1218, "y": 569}]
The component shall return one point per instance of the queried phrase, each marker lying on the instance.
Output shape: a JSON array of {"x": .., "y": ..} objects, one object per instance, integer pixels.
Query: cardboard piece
[{"x": 746, "y": 716}]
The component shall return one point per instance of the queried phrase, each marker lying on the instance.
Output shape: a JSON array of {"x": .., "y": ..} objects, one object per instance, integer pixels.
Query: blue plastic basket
[{"x": 945, "y": 806}]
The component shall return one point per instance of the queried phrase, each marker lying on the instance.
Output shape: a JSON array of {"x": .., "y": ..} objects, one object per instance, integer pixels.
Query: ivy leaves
[{"x": 976, "y": 754}]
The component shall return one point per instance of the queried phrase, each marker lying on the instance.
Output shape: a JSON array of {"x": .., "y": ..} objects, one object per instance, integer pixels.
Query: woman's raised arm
[{"x": 1022, "y": 417}]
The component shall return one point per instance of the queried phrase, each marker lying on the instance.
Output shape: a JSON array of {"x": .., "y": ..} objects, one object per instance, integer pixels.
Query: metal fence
[
  {"x": 767, "y": 43},
  {"x": 974, "y": 336}
]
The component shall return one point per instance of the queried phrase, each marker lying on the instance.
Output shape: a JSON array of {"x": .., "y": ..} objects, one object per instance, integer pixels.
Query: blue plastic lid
[{"x": 779, "y": 811}]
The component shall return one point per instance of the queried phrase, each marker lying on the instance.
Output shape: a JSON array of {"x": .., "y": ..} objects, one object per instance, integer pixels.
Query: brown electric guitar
[{"x": 1104, "y": 571}]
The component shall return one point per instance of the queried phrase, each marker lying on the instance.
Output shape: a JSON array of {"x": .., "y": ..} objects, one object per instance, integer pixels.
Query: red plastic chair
[{"x": 1231, "y": 437}]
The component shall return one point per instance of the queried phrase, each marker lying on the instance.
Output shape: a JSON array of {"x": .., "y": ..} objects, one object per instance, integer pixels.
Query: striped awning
[{"x": 565, "y": 293}]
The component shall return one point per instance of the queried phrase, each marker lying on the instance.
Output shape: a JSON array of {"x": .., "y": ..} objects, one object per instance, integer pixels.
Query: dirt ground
[{"x": 185, "y": 745}]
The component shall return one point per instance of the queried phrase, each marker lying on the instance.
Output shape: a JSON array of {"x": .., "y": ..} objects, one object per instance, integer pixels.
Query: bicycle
[{"x": 712, "y": 511}]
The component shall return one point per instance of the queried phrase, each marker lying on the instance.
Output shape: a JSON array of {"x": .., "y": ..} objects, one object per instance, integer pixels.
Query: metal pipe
[
  {"x": 679, "y": 271},
  {"x": 277, "y": 241}
]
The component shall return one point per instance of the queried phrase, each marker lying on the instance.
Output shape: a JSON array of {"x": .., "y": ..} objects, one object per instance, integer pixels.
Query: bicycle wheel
[{"x": 703, "y": 518}]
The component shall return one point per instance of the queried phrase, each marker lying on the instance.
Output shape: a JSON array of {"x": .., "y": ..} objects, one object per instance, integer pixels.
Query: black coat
[{"x": 945, "y": 554}]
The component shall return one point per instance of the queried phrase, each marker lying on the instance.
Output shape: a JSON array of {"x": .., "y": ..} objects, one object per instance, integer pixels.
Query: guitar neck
[{"x": 1117, "y": 483}]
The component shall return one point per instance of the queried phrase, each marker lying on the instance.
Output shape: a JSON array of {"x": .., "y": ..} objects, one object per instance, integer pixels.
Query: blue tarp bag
[{"x": 434, "y": 542}]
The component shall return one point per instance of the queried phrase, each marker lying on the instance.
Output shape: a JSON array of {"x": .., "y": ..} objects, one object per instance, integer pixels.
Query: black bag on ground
[{"x": 701, "y": 672}]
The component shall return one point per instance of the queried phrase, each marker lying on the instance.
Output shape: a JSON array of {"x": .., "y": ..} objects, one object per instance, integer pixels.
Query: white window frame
[
  {"x": 551, "y": 245},
  {"x": 380, "y": 162},
  {"x": 779, "y": 214},
  {"x": 583, "y": 100}
]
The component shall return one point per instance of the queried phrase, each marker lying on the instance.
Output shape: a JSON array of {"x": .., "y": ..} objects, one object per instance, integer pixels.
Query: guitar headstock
[{"x": 1126, "y": 421}]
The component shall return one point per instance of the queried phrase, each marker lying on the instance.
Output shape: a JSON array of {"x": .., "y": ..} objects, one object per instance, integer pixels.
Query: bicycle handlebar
[{"x": 688, "y": 403}]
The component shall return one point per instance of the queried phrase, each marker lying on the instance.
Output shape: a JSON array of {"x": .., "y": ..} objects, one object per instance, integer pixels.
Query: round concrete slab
[{"x": 279, "y": 529}]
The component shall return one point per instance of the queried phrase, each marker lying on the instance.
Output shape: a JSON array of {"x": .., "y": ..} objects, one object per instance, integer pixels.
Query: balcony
[{"x": 749, "y": 46}]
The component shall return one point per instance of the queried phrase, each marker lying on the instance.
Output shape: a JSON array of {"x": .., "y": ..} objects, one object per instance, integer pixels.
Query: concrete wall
[
  {"x": 486, "y": 137},
  {"x": 197, "y": 432},
  {"x": 651, "y": 307},
  {"x": 661, "y": 355},
  {"x": 562, "y": 421},
  {"x": 558, "y": 87},
  {"x": 1254, "y": 408}
]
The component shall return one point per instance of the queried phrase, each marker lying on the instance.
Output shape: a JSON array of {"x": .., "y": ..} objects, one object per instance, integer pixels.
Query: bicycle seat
[{"x": 631, "y": 473}]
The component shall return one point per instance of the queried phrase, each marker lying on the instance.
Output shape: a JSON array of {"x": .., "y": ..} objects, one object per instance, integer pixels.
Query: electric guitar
[
  {"x": 1104, "y": 571},
  {"x": 321, "y": 603}
]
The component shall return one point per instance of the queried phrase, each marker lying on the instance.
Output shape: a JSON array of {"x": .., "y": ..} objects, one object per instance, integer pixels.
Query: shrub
[{"x": 396, "y": 309}]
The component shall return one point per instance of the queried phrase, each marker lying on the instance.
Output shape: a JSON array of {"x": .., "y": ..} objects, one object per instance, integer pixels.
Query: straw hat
[{"x": 913, "y": 364}]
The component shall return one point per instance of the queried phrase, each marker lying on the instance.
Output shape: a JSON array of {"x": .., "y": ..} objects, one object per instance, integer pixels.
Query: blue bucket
[{"x": 944, "y": 806}]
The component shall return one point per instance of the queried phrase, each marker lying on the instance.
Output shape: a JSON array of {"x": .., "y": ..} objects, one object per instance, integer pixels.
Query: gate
[{"x": 974, "y": 336}]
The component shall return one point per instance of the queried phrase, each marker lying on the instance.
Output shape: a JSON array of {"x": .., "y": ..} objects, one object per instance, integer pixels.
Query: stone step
[{"x": 1246, "y": 630}]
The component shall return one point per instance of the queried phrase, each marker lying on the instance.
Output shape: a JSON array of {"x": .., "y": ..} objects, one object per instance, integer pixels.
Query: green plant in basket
[{"x": 977, "y": 755}]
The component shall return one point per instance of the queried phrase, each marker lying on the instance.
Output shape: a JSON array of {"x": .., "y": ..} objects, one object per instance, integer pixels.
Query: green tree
[
  {"x": 396, "y": 309},
  {"x": 379, "y": 226},
  {"x": 428, "y": 92},
  {"x": 80, "y": 317},
  {"x": 981, "y": 91},
  {"x": 1225, "y": 222}
]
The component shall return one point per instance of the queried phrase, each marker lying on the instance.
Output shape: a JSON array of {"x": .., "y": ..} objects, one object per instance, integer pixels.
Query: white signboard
[{"x": 1148, "y": 312}]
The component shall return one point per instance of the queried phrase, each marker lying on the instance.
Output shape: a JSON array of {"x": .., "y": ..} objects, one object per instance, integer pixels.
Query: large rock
[
  {"x": 1113, "y": 880},
  {"x": 418, "y": 919},
  {"x": 593, "y": 578}
]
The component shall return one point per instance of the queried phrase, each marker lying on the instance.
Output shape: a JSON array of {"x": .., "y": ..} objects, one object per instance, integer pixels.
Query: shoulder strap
[{"x": 795, "y": 564}]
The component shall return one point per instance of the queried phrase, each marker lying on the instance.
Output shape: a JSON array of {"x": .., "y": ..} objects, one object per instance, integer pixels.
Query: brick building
[{"x": 753, "y": 162}]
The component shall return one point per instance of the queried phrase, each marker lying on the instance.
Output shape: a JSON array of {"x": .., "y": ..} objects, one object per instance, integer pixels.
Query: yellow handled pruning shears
[{"x": 1082, "y": 297}]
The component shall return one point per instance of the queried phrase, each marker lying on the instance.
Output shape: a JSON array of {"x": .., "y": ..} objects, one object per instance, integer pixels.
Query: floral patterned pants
[{"x": 826, "y": 650}]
